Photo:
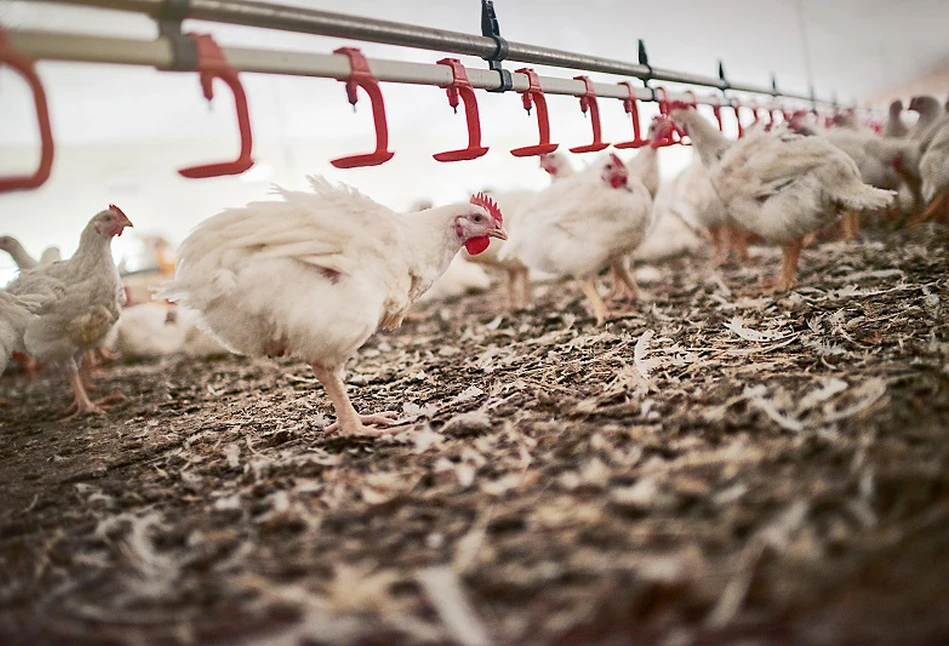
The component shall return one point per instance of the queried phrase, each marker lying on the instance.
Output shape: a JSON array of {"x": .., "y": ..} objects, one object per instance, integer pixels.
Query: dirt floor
[{"x": 713, "y": 467}]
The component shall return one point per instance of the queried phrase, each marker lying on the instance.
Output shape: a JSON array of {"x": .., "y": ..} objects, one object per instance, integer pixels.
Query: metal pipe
[
  {"x": 324, "y": 23},
  {"x": 43, "y": 45}
]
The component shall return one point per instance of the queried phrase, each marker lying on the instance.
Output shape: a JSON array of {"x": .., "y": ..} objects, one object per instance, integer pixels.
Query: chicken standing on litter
[
  {"x": 79, "y": 301},
  {"x": 780, "y": 186},
  {"x": 584, "y": 224},
  {"x": 313, "y": 276},
  {"x": 934, "y": 167}
]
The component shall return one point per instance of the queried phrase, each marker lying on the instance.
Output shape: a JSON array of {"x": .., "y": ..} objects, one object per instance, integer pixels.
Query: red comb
[
  {"x": 489, "y": 205},
  {"x": 616, "y": 160},
  {"x": 118, "y": 210}
]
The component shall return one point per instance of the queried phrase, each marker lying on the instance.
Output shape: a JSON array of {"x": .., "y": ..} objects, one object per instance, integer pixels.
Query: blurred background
[{"x": 122, "y": 131}]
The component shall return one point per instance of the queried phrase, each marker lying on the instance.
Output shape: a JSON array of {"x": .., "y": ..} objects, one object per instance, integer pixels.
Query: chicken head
[
  {"x": 615, "y": 172},
  {"x": 111, "y": 222},
  {"x": 476, "y": 227}
]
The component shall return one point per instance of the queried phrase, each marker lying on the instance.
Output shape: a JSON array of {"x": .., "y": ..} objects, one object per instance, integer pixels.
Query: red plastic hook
[
  {"x": 461, "y": 86},
  {"x": 361, "y": 76},
  {"x": 588, "y": 102},
  {"x": 211, "y": 65},
  {"x": 736, "y": 108},
  {"x": 23, "y": 65},
  {"x": 675, "y": 136},
  {"x": 630, "y": 105},
  {"x": 535, "y": 94},
  {"x": 717, "y": 111}
]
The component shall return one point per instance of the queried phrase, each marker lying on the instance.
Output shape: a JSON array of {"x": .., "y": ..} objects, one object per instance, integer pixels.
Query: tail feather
[
  {"x": 939, "y": 204},
  {"x": 865, "y": 198}
]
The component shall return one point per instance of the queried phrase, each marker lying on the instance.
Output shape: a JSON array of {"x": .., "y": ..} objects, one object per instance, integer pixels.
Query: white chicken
[
  {"x": 313, "y": 276},
  {"x": 584, "y": 224},
  {"x": 78, "y": 303},
  {"x": 930, "y": 111},
  {"x": 557, "y": 166},
  {"x": 873, "y": 155},
  {"x": 513, "y": 204},
  {"x": 149, "y": 330},
  {"x": 22, "y": 258},
  {"x": 645, "y": 164},
  {"x": 934, "y": 168},
  {"x": 17, "y": 252},
  {"x": 158, "y": 329},
  {"x": 695, "y": 200},
  {"x": 894, "y": 123},
  {"x": 780, "y": 186},
  {"x": 462, "y": 277},
  {"x": 15, "y": 313}
]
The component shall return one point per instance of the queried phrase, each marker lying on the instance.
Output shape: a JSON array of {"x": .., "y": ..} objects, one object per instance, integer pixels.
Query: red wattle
[{"x": 477, "y": 245}]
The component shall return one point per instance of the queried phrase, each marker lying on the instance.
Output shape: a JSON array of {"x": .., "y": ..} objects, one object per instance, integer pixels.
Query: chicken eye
[{"x": 478, "y": 218}]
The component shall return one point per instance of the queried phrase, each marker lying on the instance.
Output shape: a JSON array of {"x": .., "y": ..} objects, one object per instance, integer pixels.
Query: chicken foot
[
  {"x": 600, "y": 311},
  {"x": 81, "y": 404},
  {"x": 348, "y": 421}
]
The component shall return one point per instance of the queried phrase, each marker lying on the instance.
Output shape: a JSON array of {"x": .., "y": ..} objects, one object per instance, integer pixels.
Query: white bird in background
[
  {"x": 22, "y": 258},
  {"x": 313, "y": 276},
  {"x": 930, "y": 111},
  {"x": 79, "y": 301},
  {"x": 780, "y": 186},
  {"x": 894, "y": 123},
  {"x": 583, "y": 224},
  {"x": 19, "y": 254},
  {"x": 557, "y": 166},
  {"x": 15, "y": 313},
  {"x": 934, "y": 168}
]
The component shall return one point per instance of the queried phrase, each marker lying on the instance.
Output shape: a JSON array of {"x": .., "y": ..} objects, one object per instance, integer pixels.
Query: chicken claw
[
  {"x": 82, "y": 406},
  {"x": 367, "y": 423}
]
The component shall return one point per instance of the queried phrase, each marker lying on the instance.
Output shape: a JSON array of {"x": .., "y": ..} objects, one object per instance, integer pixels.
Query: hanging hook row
[{"x": 25, "y": 68}]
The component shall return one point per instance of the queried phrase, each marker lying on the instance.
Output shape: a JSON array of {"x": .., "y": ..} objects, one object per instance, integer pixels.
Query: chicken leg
[
  {"x": 790, "y": 254},
  {"x": 851, "y": 225},
  {"x": 524, "y": 287},
  {"x": 940, "y": 203},
  {"x": 600, "y": 311},
  {"x": 348, "y": 421},
  {"x": 518, "y": 288},
  {"x": 624, "y": 286},
  {"x": 736, "y": 239},
  {"x": 82, "y": 405}
]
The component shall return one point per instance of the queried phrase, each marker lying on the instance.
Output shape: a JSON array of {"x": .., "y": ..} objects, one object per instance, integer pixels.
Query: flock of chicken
[{"x": 313, "y": 274}]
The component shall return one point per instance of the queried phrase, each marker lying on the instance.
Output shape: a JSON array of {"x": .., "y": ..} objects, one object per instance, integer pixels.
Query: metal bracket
[
  {"x": 184, "y": 51},
  {"x": 490, "y": 28},
  {"x": 644, "y": 61},
  {"x": 724, "y": 86}
]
